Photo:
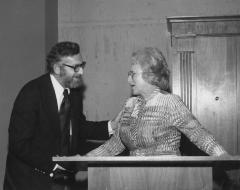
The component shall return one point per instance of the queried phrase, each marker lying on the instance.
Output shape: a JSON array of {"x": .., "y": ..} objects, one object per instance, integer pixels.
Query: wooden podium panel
[
  {"x": 150, "y": 178},
  {"x": 152, "y": 172}
]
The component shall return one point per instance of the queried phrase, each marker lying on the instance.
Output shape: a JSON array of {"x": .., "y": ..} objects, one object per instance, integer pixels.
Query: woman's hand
[{"x": 225, "y": 156}]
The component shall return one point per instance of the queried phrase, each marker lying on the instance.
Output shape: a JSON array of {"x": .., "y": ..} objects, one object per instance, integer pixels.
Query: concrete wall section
[{"x": 107, "y": 50}]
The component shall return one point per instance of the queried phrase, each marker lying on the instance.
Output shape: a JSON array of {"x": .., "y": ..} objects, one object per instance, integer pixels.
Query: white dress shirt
[{"x": 58, "y": 89}]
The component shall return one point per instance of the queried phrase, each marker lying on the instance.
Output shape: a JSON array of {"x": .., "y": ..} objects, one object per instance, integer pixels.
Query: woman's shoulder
[
  {"x": 169, "y": 99},
  {"x": 168, "y": 96}
]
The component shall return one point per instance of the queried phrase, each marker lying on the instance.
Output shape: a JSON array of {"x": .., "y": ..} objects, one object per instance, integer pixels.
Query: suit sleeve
[
  {"x": 23, "y": 121},
  {"x": 96, "y": 130}
]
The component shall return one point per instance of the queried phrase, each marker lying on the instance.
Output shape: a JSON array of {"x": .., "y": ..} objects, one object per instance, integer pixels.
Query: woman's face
[{"x": 138, "y": 84}]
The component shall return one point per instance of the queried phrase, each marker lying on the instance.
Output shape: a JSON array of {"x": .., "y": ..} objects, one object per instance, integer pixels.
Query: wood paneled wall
[{"x": 210, "y": 76}]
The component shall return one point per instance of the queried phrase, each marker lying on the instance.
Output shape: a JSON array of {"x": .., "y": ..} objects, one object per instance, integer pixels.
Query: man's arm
[
  {"x": 97, "y": 130},
  {"x": 101, "y": 130}
]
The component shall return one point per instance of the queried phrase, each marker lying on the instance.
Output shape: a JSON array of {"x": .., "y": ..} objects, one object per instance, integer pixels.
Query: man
[{"x": 45, "y": 123}]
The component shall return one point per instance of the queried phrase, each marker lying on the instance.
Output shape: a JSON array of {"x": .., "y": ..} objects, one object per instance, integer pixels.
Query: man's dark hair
[{"x": 59, "y": 50}]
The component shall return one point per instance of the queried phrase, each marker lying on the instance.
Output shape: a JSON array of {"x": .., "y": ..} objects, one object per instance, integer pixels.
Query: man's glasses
[{"x": 76, "y": 67}]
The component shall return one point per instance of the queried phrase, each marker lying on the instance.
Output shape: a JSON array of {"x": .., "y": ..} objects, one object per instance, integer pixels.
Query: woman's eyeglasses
[
  {"x": 76, "y": 67},
  {"x": 132, "y": 74}
]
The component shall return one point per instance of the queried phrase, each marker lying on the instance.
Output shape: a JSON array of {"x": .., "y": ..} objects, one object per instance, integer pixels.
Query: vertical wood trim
[
  {"x": 186, "y": 77},
  {"x": 194, "y": 83},
  {"x": 176, "y": 78},
  {"x": 238, "y": 93},
  {"x": 181, "y": 75},
  {"x": 190, "y": 80}
]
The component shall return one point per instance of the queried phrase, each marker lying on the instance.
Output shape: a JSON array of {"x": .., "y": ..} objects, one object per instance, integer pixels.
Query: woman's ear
[
  {"x": 56, "y": 69},
  {"x": 149, "y": 77}
]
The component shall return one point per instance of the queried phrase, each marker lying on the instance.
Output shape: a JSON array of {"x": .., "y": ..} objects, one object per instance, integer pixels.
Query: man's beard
[{"x": 75, "y": 81}]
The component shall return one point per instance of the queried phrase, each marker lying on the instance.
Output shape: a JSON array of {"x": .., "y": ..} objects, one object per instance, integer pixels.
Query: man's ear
[{"x": 56, "y": 69}]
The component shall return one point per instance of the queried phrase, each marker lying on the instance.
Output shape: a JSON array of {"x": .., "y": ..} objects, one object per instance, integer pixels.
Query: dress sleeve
[
  {"x": 184, "y": 121},
  {"x": 111, "y": 147},
  {"x": 114, "y": 145}
]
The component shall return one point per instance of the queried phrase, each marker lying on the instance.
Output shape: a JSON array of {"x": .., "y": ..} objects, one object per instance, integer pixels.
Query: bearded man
[{"x": 47, "y": 121}]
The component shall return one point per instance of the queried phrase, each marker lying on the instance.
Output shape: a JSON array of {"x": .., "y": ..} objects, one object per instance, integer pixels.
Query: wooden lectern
[{"x": 152, "y": 173}]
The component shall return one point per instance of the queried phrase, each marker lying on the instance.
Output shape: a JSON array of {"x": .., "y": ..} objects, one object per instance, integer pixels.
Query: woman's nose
[
  {"x": 130, "y": 80},
  {"x": 80, "y": 71}
]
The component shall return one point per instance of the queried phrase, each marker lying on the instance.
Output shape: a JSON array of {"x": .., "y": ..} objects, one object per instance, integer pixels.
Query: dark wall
[
  {"x": 51, "y": 23},
  {"x": 28, "y": 28}
]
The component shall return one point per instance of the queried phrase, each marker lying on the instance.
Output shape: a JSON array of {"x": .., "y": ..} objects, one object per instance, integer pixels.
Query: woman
[{"x": 151, "y": 122}]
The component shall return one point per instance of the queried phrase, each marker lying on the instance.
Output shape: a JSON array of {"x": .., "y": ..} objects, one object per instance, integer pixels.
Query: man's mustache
[{"x": 78, "y": 76}]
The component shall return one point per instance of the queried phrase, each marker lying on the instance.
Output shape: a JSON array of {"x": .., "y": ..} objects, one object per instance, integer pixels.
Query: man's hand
[
  {"x": 81, "y": 176},
  {"x": 62, "y": 176}
]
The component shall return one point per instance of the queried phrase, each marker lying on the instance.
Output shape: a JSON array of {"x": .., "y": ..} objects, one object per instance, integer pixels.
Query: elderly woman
[{"x": 152, "y": 121}]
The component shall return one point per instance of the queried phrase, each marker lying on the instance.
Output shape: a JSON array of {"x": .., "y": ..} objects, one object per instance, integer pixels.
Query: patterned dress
[{"x": 154, "y": 126}]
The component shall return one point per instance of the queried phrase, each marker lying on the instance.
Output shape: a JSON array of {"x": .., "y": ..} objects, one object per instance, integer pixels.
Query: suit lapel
[{"x": 50, "y": 102}]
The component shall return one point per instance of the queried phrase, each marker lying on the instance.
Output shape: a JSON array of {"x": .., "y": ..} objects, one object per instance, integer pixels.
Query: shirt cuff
[
  {"x": 58, "y": 167},
  {"x": 110, "y": 130}
]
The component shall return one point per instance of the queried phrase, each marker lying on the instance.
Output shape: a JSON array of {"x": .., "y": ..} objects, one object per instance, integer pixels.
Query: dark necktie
[{"x": 64, "y": 116}]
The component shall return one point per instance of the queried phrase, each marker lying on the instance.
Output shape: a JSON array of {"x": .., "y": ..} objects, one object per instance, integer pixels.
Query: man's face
[{"x": 71, "y": 70}]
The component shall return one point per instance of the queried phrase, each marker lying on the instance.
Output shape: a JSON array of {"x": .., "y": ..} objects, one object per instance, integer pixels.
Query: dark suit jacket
[{"x": 34, "y": 134}]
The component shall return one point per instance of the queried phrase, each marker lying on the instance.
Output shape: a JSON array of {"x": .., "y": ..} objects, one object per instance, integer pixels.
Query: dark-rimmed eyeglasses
[{"x": 76, "y": 67}]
